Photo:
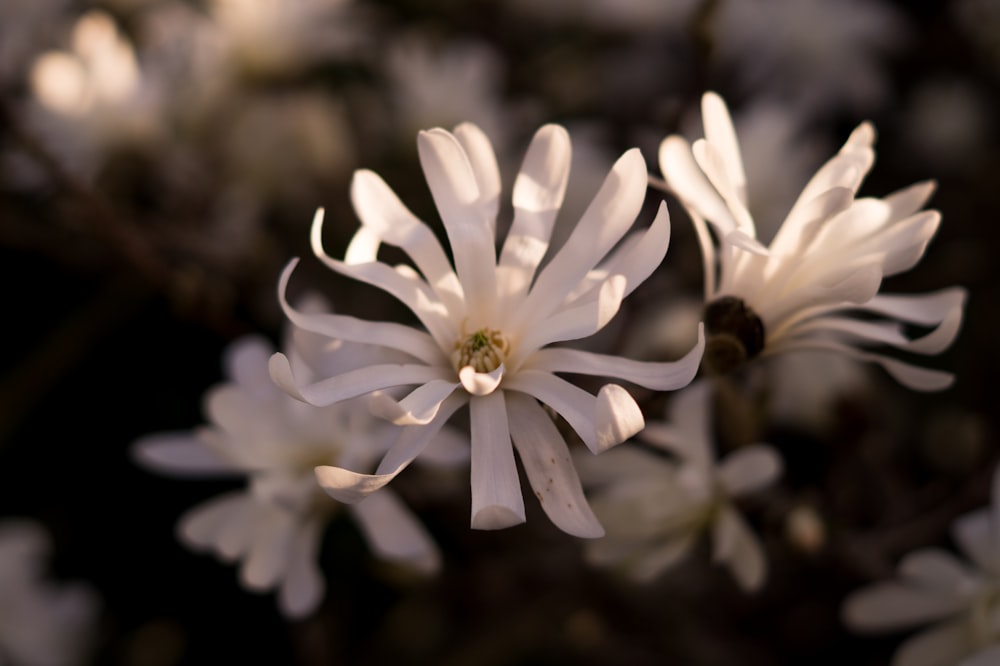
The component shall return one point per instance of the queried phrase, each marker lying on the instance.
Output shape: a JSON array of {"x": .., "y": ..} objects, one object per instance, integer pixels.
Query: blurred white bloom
[
  {"x": 280, "y": 37},
  {"x": 489, "y": 322},
  {"x": 824, "y": 266},
  {"x": 655, "y": 507},
  {"x": 93, "y": 97},
  {"x": 818, "y": 55},
  {"x": 275, "y": 525},
  {"x": 42, "y": 622},
  {"x": 933, "y": 585}
]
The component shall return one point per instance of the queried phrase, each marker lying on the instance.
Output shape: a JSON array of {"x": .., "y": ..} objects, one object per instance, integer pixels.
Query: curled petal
[
  {"x": 616, "y": 417},
  {"x": 417, "y": 408},
  {"x": 481, "y": 383}
]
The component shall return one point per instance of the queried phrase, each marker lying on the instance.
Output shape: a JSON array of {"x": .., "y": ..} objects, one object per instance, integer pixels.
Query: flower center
[
  {"x": 484, "y": 350},
  {"x": 735, "y": 334}
]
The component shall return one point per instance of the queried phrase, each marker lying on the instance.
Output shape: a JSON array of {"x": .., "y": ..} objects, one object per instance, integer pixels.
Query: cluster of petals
[
  {"x": 657, "y": 507},
  {"x": 274, "y": 525},
  {"x": 816, "y": 284},
  {"x": 961, "y": 597},
  {"x": 489, "y": 320}
]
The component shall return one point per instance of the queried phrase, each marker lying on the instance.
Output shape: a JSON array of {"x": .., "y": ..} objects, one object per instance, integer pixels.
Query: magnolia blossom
[
  {"x": 935, "y": 586},
  {"x": 824, "y": 265},
  {"x": 274, "y": 525},
  {"x": 657, "y": 507},
  {"x": 489, "y": 322},
  {"x": 42, "y": 623}
]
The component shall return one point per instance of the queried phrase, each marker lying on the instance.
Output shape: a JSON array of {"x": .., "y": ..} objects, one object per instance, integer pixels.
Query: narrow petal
[
  {"x": 713, "y": 164},
  {"x": 496, "y": 491},
  {"x": 749, "y": 468},
  {"x": 394, "y": 533},
  {"x": 538, "y": 194},
  {"x": 547, "y": 462},
  {"x": 617, "y": 417},
  {"x": 417, "y": 408},
  {"x": 353, "y": 383},
  {"x": 351, "y": 487},
  {"x": 179, "y": 454},
  {"x": 667, "y": 376},
  {"x": 481, "y": 383},
  {"x": 947, "y": 643},
  {"x": 937, "y": 569},
  {"x": 483, "y": 160},
  {"x": 303, "y": 587},
  {"x": 610, "y": 214},
  {"x": 380, "y": 210},
  {"x": 735, "y": 545},
  {"x": 340, "y": 327},
  {"x": 580, "y": 321},
  {"x": 569, "y": 401},
  {"x": 267, "y": 555},
  {"x": 649, "y": 564},
  {"x": 719, "y": 131},
  {"x": 245, "y": 362},
  {"x": 687, "y": 181},
  {"x": 891, "y": 606},
  {"x": 453, "y": 185},
  {"x": 223, "y": 524}
]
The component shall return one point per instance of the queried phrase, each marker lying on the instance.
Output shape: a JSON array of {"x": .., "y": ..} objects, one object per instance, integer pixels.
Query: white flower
[
  {"x": 274, "y": 526},
  {"x": 933, "y": 585},
  {"x": 42, "y": 623},
  {"x": 824, "y": 266},
  {"x": 489, "y": 322},
  {"x": 656, "y": 507}
]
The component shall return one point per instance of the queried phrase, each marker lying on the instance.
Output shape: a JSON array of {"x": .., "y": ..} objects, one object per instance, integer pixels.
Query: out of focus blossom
[
  {"x": 814, "y": 55},
  {"x": 824, "y": 266},
  {"x": 488, "y": 322},
  {"x": 957, "y": 596},
  {"x": 274, "y": 526},
  {"x": 42, "y": 622},
  {"x": 656, "y": 507}
]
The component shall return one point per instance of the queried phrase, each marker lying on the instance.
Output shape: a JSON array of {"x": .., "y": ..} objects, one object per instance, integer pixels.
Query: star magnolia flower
[
  {"x": 489, "y": 322},
  {"x": 935, "y": 586},
  {"x": 657, "y": 507},
  {"x": 824, "y": 265},
  {"x": 40, "y": 622},
  {"x": 275, "y": 525}
]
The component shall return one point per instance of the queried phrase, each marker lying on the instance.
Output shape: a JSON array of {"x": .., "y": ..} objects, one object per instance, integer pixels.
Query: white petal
[
  {"x": 666, "y": 376},
  {"x": 547, "y": 462},
  {"x": 569, "y": 401},
  {"x": 381, "y": 211},
  {"x": 687, "y": 181},
  {"x": 710, "y": 160},
  {"x": 353, "y": 383},
  {"x": 580, "y": 321},
  {"x": 303, "y": 587},
  {"x": 496, "y": 491},
  {"x": 939, "y": 570},
  {"x": 394, "y": 533},
  {"x": 617, "y": 417},
  {"x": 481, "y": 383},
  {"x": 749, "y": 468},
  {"x": 890, "y": 606},
  {"x": 538, "y": 194},
  {"x": 341, "y": 327},
  {"x": 267, "y": 557},
  {"x": 607, "y": 218},
  {"x": 351, "y": 487},
  {"x": 720, "y": 133},
  {"x": 485, "y": 168},
  {"x": 942, "y": 645},
  {"x": 456, "y": 194},
  {"x": 224, "y": 524},
  {"x": 179, "y": 454},
  {"x": 245, "y": 361},
  {"x": 735, "y": 545},
  {"x": 649, "y": 564},
  {"x": 417, "y": 408}
]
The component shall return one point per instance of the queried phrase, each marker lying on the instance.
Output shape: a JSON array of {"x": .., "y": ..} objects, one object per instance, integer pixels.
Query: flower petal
[
  {"x": 580, "y": 321},
  {"x": 246, "y": 364},
  {"x": 946, "y": 643},
  {"x": 223, "y": 524},
  {"x": 687, "y": 181},
  {"x": 720, "y": 133},
  {"x": 481, "y": 383},
  {"x": 648, "y": 564},
  {"x": 617, "y": 417},
  {"x": 179, "y": 454},
  {"x": 568, "y": 400},
  {"x": 735, "y": 545},
  {"x": 394, "y": 533},
  {"x": 267, "y": 556},
  {"x": 304, "y": 584},
  {"x": 749, "y": 468},
  {"x": 547, "y": 462},
  {"x": 657, "y": 376},
  {"x": 890, "y": 606},
  {"x": 483, "y": 160},
  {"x": 417, "y": 408},
  {"x": 496, "y": 491}
]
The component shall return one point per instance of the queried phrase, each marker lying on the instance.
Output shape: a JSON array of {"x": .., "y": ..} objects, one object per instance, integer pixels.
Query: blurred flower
[
  {"x": 489, "y": 322},
  {"x": 275, "y": 525},
  {"x": 42, "y": 623},
  {"x": 935, "y": 586},
  {"x": 93, "y": 97},
  {"x": 655, "y": 508},
  {"x": 816, "y": 55},
  {"x": 824, "y": 266}
]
